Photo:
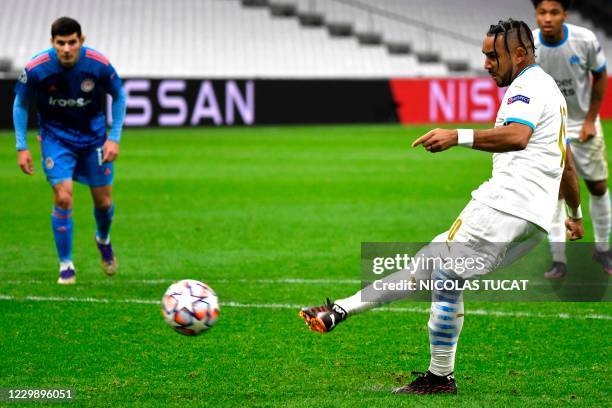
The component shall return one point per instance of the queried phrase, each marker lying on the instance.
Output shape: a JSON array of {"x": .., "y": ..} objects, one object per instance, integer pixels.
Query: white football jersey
[
  {"x": 525, "y": 183},
  {"x": 570, "y": 63}
]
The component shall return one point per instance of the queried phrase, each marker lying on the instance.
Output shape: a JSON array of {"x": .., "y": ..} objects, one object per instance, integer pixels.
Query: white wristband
[
  {"x": 575, "y": 214},
  {"x": 465, "y": 137}
]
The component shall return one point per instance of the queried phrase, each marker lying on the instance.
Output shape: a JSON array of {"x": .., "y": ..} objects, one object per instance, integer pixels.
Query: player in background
[
  {"x": 508, "y": 214},
  {"x": 573, "y": 57},
  {"x": 68, "y": 84}
]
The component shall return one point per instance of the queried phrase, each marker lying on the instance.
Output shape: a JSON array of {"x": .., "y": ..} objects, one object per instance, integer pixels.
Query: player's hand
[
  {"x": 111, "y": 151},
  {"x": 437, "y": 140},
  {"x": 574, "y": 227},
  {"x": 24, "y": 160},
  {"x": 587, "y": 132}
]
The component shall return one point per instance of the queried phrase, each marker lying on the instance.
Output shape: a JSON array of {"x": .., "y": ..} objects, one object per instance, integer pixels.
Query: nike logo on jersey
[{"x": 70, "y": 103}]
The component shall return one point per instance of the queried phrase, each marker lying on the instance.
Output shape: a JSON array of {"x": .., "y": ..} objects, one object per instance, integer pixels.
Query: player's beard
[{"x": 507, "y": 79}]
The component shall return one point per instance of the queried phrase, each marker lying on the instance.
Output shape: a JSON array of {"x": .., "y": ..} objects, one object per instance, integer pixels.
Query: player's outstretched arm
[
  {"x": 20, "y": 120},
  {"x": 512, "y": 137},
  {"x": 570, "y": 189}
]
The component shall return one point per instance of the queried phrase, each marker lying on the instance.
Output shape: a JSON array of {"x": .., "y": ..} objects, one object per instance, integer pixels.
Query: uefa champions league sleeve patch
[
  {"x": 518, "y": 98},
  {"x": 23, "y": 77}
]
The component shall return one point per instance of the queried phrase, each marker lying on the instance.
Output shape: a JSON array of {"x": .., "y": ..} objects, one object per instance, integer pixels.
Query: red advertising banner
[
  {"x": 606, "y": 107},
  {"x": 452, "y": 100}
]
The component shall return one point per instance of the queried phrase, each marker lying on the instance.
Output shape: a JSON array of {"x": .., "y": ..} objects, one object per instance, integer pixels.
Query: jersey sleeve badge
[{"x": 23, "y": 77}]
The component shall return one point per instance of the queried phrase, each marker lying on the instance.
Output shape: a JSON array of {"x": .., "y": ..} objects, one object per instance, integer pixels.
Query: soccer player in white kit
[
  {"x": 574, "y": 58},
  {"x": 508, "y": 214}
]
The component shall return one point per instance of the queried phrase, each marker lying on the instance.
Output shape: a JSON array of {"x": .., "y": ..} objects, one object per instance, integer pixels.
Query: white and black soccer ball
[{"x": 190, "y": 307}]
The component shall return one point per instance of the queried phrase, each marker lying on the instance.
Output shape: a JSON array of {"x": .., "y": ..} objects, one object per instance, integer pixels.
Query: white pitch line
[
  {"x": 290, "y": 281},
  {"x": 475, "y": 312},
  {"x": 294, "y": 281}
]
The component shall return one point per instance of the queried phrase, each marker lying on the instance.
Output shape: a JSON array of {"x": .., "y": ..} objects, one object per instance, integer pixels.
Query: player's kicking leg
[
  {"x": 103, "y": 213},
  {"x": 446, "y": 321}
]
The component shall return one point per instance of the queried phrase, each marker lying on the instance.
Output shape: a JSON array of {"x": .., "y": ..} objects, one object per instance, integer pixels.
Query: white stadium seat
[{"x": 222, "y": 38}]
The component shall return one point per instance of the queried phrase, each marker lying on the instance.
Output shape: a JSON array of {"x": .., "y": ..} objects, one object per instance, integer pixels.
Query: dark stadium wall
[
  {"x": 262, "y": 102},
  {"x": 195, "y": 102}
]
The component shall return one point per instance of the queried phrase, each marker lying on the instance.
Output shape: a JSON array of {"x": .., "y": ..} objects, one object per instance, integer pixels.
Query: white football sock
[
  {"x": 556, "y": 235},
  {"x": 600, "y": 214},
  {"x": 354, "y": 304},
  {"x": 371, "y": 297},
  {"x": 445, "y": 323}
]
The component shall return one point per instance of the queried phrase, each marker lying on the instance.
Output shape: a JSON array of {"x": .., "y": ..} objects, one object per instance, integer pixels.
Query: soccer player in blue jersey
[{"x": 68, "y": 84}]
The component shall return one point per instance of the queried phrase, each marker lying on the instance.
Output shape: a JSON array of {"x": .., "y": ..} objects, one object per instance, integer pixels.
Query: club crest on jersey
[
  {"x": 87, "y": 85},
  {"x": 49, "y": 163},
  {"x": 518, "y": 98},
  {"x": 23, "y": 77},
  {"x": 574, "y": 60}
]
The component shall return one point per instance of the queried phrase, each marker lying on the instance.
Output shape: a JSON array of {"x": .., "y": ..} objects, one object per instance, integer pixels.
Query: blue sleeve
[
  {"x": 118, "y": 111},
  {"x": 113, "y": 86},
  {"x": 20, "y": 120}
]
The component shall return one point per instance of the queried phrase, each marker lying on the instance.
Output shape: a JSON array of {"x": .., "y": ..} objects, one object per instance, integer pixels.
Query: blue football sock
[
  {"x": 104, "y": 219},
  {"x": 61, "y": 220}
]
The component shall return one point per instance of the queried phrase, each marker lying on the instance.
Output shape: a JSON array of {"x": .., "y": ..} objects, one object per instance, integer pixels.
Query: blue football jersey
[{"x": 70, "y": 102}]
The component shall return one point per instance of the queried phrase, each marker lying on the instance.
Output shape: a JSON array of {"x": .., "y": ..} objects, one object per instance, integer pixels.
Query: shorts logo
[
  {"x": 49, "y": 163},
  {"x": 23, "y": 77},
  {"x": 87, "y": 85},
  {"x": 519, "y": 98},
  {"x": 107, "y": 172},
  {"x": 574, "y": 60}
]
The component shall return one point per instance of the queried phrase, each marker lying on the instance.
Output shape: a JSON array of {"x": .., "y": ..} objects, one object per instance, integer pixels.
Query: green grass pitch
[{"x": 272, "y": 218}]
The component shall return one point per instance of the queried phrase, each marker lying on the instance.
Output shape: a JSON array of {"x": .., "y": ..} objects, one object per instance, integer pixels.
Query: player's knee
[
  {"x": 63, "y": 200},
  {"x": 103, "y": 204},
  {"x": 598, "y": 188}
]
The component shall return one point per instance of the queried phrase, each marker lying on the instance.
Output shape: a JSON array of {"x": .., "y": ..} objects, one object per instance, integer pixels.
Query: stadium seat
[{"x": 226, "y": 38}]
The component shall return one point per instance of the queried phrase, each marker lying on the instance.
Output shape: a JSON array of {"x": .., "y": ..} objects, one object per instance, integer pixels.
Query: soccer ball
[{"x": 190, "y": 307}]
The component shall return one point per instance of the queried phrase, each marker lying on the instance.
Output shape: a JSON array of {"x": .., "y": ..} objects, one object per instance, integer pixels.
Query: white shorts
[
  {"x": 497, "y": 237},
  {"x": 590, "y": 157}
]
